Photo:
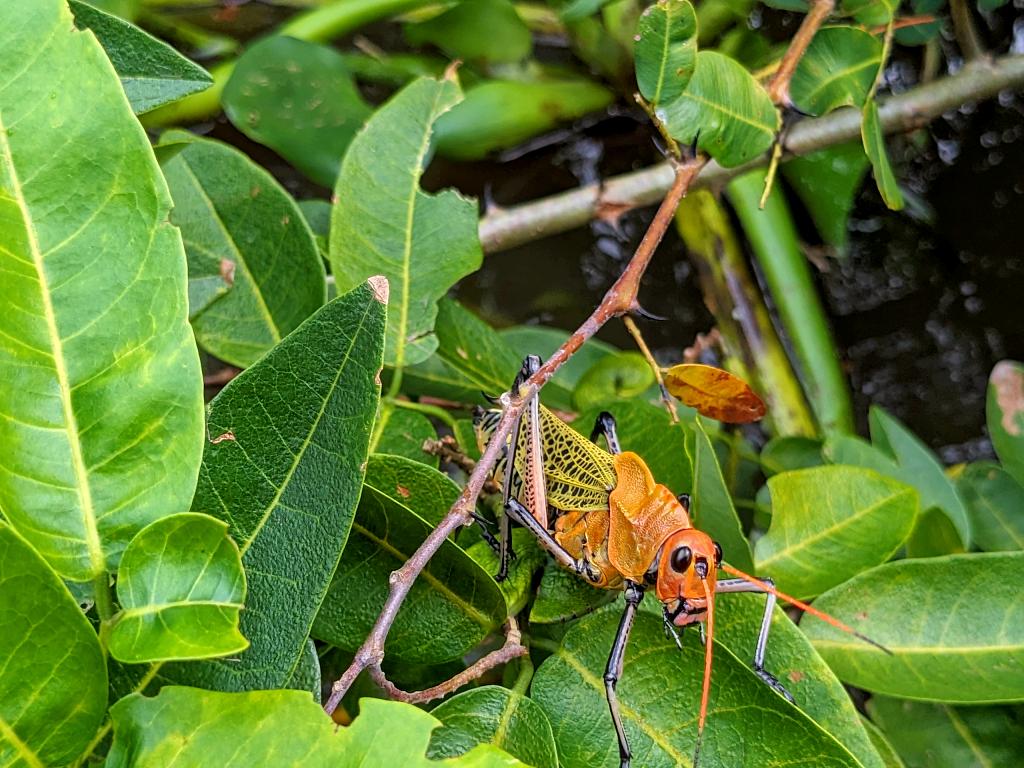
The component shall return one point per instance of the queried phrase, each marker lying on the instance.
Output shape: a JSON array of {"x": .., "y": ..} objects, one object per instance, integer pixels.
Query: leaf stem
[
  {"x": 666, "y": 398},
  {"x": 778, "y": 88},
  {"x": 525, "y": 676},
  {"x": 428, "y": 410},
  {"x": 104, "y": 606}
]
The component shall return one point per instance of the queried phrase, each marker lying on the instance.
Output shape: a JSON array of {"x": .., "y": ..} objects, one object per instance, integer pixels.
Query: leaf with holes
[
  {"x": 101, "y": 387},
  {"x": 829, "y": 524},
  {"x": 714, "y": 393},
  {"x": 152, "y": 73},
  {"x": 837, "y": 70},
  {"x": 53, "y": 680},
  {"x": 384, "y": 223},
  {"x": 452, "y": 606},
  {"x": 724, "y": 109},
  {"x": 666, "y": 50},
  {"x": 975, "y": 638},
  {"x": 254, "y": 269},
  {"x": 299, "y": 99},
  {"x": 181, "y": 589},
  {"x": 283, "y": 466}
]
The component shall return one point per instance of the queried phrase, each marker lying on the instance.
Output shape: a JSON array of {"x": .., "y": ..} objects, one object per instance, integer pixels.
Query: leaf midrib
[
  {"x": 8, "y": 733},
  {"x": 82, "y": 487}
]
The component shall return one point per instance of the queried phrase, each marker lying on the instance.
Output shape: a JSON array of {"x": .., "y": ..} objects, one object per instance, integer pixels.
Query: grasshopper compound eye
[{"x": 680, "y": 559}]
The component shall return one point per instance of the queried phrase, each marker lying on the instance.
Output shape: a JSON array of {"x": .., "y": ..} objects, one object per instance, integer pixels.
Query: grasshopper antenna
[
  {"x": 709, "y": 646},
  {"x": 828, "y": 619}
]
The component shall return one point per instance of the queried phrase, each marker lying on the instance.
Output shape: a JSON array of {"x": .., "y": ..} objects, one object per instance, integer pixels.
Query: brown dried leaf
[{"x": 715, "y": 393}]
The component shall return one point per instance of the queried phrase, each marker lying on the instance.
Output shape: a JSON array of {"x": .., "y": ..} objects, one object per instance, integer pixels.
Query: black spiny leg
[
  {"x": 604, "y": 424},
  {"x": 742, "y": 585},
  {"x": 634, "y": 594},
  {"x": 531, "y": 364},
  {"x": 521, "y": 515}
]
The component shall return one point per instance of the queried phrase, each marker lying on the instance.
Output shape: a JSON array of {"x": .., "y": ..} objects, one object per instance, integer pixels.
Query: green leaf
[
  {"x": 254, "y": 269},
  {"x": 831, "y": 523},
  {"x": 53, "y": 682},
  {"x": 711, "y": 505},
  {"x": 529, "y": 559},
  {"x": 837, "y": 70},
  {"x": 890, "y": 758},
  {"x": 1004, "y": 414},
  {"x": 957, "y": 617},
  {"x": 299, "y": 99},
  {"x": 939, "y": 736},
  {"x": 283, "y": 466},
  {"x": 919, "y": 467},
  {"x": 481, "y": 31},
  {"x": 919, "y": 34},
  {"x": 541, "y": 340},
  {"x": 726, "y": 108},
  {"x": 620, "y": 376},
  {"x": 563, "y": 596},
  {"x": 648, "y": 430},
  {"x": 181, "y": 588},
  {"x": 874, "y": 144},
  {"x": 995, "y": 504},
  {"x": 152, "y": 73},
  {"x": 871, "y": 12},
  {"x": 499, "y": 114},
  {"x": 422, "y": 489},
  {"x": 186, "y": 726},
  {"x": 580, "y": 9},
  {"x": 748, "y": 723},
  {"x": 494, "y": 715},
  {"x": 101, "y": 386},
  {"x": 452, "y": 606},
  {"x": 665, "y": 50},
  {"x": 783, "y": 454},
  {"x": 793, "y": 660},
  {"x": 306, "y": 676},
  {"x": 404, "y": 433},
  {"x": 828, "y": 182},
  {"x": 384, "y": 223},
  {"x": 933, "y": 535},
  {"x": 858, "y": 452}
]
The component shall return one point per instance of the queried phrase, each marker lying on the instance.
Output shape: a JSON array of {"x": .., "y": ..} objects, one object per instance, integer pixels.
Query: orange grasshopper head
[{"x": 686, "y": 575}]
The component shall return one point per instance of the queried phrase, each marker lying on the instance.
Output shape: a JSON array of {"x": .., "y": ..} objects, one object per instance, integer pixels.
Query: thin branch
[
  {"x": 512, "y": 649},
  {"x": 778, "y": 88},
  {"x": 964, "y": 30},
  {"x": 620, "y": 299},
  {"x": 666, "y": 398},
  {"x": 515, "y": 225}
]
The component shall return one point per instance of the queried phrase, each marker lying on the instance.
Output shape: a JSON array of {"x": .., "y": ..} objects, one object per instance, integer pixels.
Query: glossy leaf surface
[
  {"x": 181, "y": 588},
  {"x": 101, "y": 390},
  {"x": 831, "y": 523},
  {"x": 383, "y": 223},
  {"x": 404, "y": 433},
  {"x": 714, "y": 393},
  {"x": 724, "y": 108},
  {"x": 44, "y": 638},
  {"x": 152, "y": 73},
  {"x": 665, "y": 50},
  {"x": 827, "y": 182},
  {"x": 299, "y": 99},
  {"x": 283, "y": 466},
  {"x": 976, "y": 638},
  {"x": 239, "y": 730},
  {"x": 254, "y": 269},
  {"x": 837, "y": 70},
  {"x": 874, "y": 144},
  {"x": 995, "y": 504},
  {"x": 620, "y": 376}
]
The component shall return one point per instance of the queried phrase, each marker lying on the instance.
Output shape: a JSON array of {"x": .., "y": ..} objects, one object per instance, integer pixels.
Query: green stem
[
  {"x": 428, "y": 410},
  {"x": 104, "y": 606},
  {"x": 317, "y": 25},
  {"x": 774, "y": 241},
  {"x": 525, "y": 676},
  {"x": 545, "y": 644}
]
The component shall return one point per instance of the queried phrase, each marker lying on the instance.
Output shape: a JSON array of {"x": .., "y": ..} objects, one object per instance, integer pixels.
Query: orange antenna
[
  {"x": 802, "y": 606},
  {"x": 708, "y": 648}
]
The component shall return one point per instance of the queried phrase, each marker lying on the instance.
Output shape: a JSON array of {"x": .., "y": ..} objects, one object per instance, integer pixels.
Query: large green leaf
[
  {"x": 831, "y": 523},
  {"x": 939, "y": 736},
  {"x": 837, "y": 70},
  {"x": 53, "y": 682},
  {"x": 665, "y": 50},
  {"x": 384, "y": 223},
  {"x": 871, "y": 12},
  {"x": 254, "y": 269},
  {"x": 423, "y": 489},
  {"x": 152, "y": 73},
  {"x": 452, "y": 606},
  {"x": 529, "y": 558},
  {"x": 498, "y": 716},
  {"x": 725, "y": 109},
  {"x": 181, "y": 588},
  {"x": 185, "y": 726},
  {"x": 403, "y": 434},
  {"x": 498, "y": 114},
  {"x": 562, "y": 595},
  {"x": 919, "y": 467},
  {"x": 101, "y": 390},
  {"x": 874, "y": 145},
  {"x": 748, "y": 723},
  {"x": 783, "y": 454},
  {"x": 481, "y": 31},
  {"x": 954, "y": 624},
  {"x": 299, "y": 99},
  {"x": 1004, "y": 414},
  {"x": 827, "y": 182},
  {"x": 995, "y": 504},
  {"x": 711, "y": 505},
  {"x": 283, "y": 466}
]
